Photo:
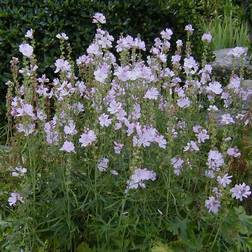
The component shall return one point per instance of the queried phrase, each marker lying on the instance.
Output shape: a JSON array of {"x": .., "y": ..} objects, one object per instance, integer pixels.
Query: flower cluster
[{"x": 156, "y": 111}]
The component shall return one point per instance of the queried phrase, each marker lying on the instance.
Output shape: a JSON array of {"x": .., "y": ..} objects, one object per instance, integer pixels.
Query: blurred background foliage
[{"x": 145, "y": 17}]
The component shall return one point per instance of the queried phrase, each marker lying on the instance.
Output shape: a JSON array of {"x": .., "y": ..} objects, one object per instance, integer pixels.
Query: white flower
[
  {"x": 212, "y": 204},
  {"x": 62, "y": 36},
  {"x": 240, "y": 191},
  {"x": 26, "y": 50},
  {"x": 29, "y": 34},
  {"x": 103, "y": 164},
  {"x": 225, "y": 180},
  {"x": 99, "y": 18},
  {"x": 19, "y": 171}
]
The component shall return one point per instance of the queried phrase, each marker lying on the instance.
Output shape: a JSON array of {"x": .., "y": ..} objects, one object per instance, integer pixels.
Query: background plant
[{"x": 229, "y": 29}]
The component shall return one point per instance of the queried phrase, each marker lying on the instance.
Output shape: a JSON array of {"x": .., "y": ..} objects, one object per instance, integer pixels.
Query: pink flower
[
  {"x": 87, "y": 138},
  {"x": 68, "y": 147}
]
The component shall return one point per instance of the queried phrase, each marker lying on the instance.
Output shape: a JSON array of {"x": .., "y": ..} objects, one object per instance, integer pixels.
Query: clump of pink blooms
[{"x": 116, "y": 101}]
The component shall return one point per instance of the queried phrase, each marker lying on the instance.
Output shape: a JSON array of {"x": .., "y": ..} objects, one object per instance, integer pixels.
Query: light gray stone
[{"x": 223, "y": 62}]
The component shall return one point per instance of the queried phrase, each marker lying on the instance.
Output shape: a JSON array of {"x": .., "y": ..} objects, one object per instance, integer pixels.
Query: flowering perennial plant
[{"x": 86, "y": 134}]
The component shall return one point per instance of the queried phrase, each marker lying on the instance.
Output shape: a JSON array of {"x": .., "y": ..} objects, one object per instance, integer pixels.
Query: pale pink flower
[
  {"x": 87, "y": 138},
  {"x": 69, "y": 129},
  {"x": 227, "y": 119},
  {"x": 215, "y": 87},
  {"x": 213, "y": 205},
  {"x": 101, "y": 74},
  {"x": 189, "y": 28},
  {"x": 99, "y": 18},
  {"x": 103, "y": 164},
  {"x": 177, "y": 164},
  {"x": 206, "y": 37},
  {"x": 233, "y": 152},
  {"x": 15, "y": 198},
  {"x": 62, "y": 66},
  {"x": 62, "y": 36},
  {"x": 183, "y": 102},
  {"x": 19, "y": 171},
  {"x": 26, "y": 50},
  {"x": 240, "y": 191},
  {"x": 118, "y": 147},
  {"x": 139, "y": 177},
  {"x": 68, "y": 147},
  {"x": 237, "y": 52},
  {"x": 225, "y": 180},
  {"x": 29, "y": 34},
  {"x": 104, "y": 120},
  {"x": 152, "y": 94}
]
